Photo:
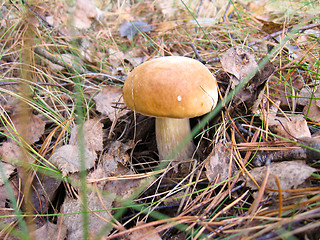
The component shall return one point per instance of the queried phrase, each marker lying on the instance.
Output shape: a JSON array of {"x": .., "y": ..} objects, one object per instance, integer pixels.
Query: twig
[
  {"x": 275, "y": 34},
  {"x": 44, "y": 21},
  {"x": 53, "y": 58},
  {"x": 195, "y": 50}
]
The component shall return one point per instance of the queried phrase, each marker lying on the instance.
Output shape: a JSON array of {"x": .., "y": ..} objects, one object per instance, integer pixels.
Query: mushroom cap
[{"x": 174, "y": 87}]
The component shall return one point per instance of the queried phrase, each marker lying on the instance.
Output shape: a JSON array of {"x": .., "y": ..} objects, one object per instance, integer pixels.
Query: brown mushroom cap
[{"x": 174, "y": 87}]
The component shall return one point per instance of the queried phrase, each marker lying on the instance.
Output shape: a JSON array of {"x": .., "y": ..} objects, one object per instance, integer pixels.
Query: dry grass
[{"x": 54, "y": 70}]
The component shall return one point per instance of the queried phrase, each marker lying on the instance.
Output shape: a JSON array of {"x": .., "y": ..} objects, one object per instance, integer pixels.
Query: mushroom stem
[{"x": 170, "y": 132}]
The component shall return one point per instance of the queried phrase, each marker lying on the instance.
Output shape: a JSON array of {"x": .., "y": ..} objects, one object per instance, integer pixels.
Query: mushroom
[{"x": 172, "y": 89}]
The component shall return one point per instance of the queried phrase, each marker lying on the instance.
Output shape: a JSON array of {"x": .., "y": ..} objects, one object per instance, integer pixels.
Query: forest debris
[
  {"x": 97, "y": 220},
  {"x": 10, "y": 152},
  {"x": 49, "y": 231},
  {"x": 144, "y": 233},
  {"x": 218, "y": 163},
  {"x": 35, "y": 127},
  {"x": 64, "y": 60},
  {"x": 116, "y": 57},
  {"x": 239, "y": 62},
  {"x": 45, "y": 191},
  {"x": 6, "y": 207},
  {"x": 130, "y": 29},
  {"x": 294, "y": 127},
  {"x": 117, "y": 151},
  {"x": 113, "y": 164},
  {"x": 261, "y": 158},
  {"x": 291, "y": 174},
  {"x": 83, "y": 13},
  {"x": 108, "y": 102},
  {"x": 67, "y": 159},
  {"x": 123, "y": 188},
  {"x": 305, "y": 95},
  {"x": 8, "y": 170},
  {"x": 312, "y": 109},
  {"x": 93, "y": 135}
]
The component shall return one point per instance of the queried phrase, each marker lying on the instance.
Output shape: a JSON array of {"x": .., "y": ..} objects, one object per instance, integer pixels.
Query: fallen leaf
[
  {"x": 49, "y": 231},
  {"x": 218, "y": 163},
  {"x": 239, "y": 62},
  {"x": 123, "y": 188},
  {"x": 133, "y": 57},
  {"x": 46, "y": 187},
  {"x": 271, "y": 26},
  {"x": 115, "y": 57},
  {"x": 113, "y": 164},
  {"x": 83, "y": 13},
  {"x": 98, "y": 218},
  {"x": 108, "y": 166},
  {"x": 93, "y": 135},
  {"x": 144, "y": 233},
  {"x": 294, "y": 128},
  {"x": 130, "y": 29},
  {"x": 108, "y": 101},
  {"x": 67, "y": 159},
  {"x": 312, "y": 109},
  {"x": 118, "y": 151},
  {"x": 7, "y": 169},
  {"x": 35, "y": 128},
  {"x": 305, "y": 95},
  {"x": 290, "y": 173},
  {"x": 10, "y": 152}
]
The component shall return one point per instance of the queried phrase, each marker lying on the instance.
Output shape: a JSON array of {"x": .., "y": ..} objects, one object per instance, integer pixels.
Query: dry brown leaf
[
  {"x": 118, "y": 151},
  {"x": 67, "y": 159},
  {"x": 93, "y": 134},
  {"x": 35, "y": 128},
  {"x": 144, "y": 233},
  {"x": 296, "y": 126},
  {"x": 10, "y": 152},
  {"x": 8, "y": 169},
  {"x": 304, "y": 96},
  {"x": 49, "y": 231},
  {"x": 115, "y": 57},
  {"x": 123, "y": 188},
  {"x": 218, "y": 163},
  {"x": 109, "y": 101},
  {"x": 83, "y": 13},
  {"x": 97, "y": 220},
  {"x": 290, "y": 173},
  {"x": 239, "y": 62},
  {"x": 312, "y": 110}
]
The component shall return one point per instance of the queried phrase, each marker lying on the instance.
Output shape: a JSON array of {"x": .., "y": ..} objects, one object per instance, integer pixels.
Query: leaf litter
[
  {"x": 291, "y": 174},
  {"x": 118, "y": 164}
]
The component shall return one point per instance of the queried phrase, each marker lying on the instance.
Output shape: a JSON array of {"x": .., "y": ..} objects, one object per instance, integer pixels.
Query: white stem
[{"x": 170, "y": 132}]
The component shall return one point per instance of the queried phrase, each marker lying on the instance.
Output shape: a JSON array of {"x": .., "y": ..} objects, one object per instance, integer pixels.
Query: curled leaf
[
  {"x": 130, "y": 29},
  {"x": 68, "y": 159}
]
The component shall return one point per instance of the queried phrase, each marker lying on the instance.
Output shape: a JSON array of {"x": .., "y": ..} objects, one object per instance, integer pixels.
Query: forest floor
[{"x": 76, "y": 163}]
